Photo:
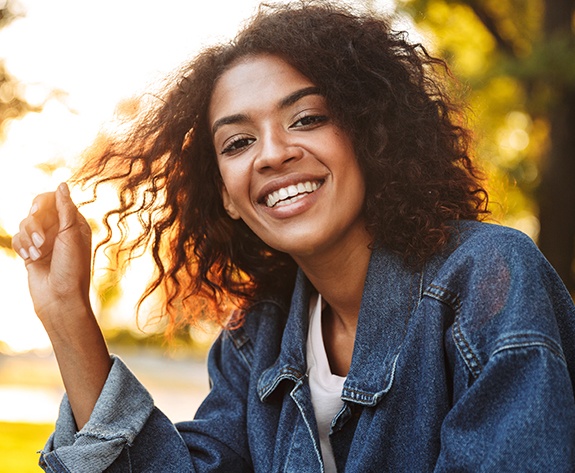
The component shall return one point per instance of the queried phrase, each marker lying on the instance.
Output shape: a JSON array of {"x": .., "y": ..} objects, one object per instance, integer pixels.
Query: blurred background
[{"x": 66, "y": 67}]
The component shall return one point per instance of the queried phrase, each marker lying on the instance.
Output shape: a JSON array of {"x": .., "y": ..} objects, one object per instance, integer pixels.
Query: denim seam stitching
[
  {"x": 292, "y": 443},
  {"x": 241, "y": 340},
  {"x": 528, "y": 345},
  {"x": 238, "y": 339},
  {"x": 310, "y": 430},
  {"x": 464, "y": 348},
  {"x": 373, "y": 398},
  {"x": 545, "y": 342},
  {"x": 369, "y": 398},
  {"x": 453, "y": 300},
  {"x": 444, "y": 295},
  {"x": 286, "y": 373},
  {"x": 101, "y": 436},
  {"x": 245, "y": 358},
  {"x": 242, "y": 347}
]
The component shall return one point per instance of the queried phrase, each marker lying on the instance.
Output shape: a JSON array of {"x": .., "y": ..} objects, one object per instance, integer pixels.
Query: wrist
[{"x": 71, "y": 322}]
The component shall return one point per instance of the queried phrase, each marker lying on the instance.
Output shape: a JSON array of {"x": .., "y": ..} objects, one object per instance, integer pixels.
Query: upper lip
[{"x": 285, "y": 182}]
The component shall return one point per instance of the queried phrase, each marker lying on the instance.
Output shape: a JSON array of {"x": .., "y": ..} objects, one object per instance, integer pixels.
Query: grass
[{"x": 18, "y": 446}]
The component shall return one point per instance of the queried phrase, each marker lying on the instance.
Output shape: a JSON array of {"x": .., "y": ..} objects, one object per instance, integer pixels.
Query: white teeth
[{"x": 288, "y": 193}]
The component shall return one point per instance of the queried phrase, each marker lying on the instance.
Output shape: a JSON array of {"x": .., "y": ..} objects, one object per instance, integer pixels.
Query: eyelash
[
  {"x": 315, "y": 120},
  {"x": 240, "y": 142},
  {"x": 234, "y": 146}
]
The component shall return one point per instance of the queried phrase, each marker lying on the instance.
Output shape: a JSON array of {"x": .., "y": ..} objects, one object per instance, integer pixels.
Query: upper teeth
[{"x": 290, "y": 191}]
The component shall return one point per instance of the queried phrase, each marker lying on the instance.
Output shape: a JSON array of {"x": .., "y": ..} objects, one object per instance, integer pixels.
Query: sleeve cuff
[{"x": 120, "y": 413}]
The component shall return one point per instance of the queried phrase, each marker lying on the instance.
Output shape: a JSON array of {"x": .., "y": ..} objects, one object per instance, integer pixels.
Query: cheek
[{"x": 236, "y": 183}]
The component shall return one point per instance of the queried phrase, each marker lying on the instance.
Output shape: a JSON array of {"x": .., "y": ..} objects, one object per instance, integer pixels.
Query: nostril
[{"x": 277, "y": 157}]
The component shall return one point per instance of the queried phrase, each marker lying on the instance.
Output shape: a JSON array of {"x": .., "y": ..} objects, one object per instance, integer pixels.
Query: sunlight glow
[
  {"x": 26, "y": 404},
  {"x": 79, "y": 60}
]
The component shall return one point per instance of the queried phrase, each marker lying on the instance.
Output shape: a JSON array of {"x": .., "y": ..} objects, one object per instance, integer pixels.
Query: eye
[
  {"x": 237, "y": 144},
  {"x": 309, "y": 121}
]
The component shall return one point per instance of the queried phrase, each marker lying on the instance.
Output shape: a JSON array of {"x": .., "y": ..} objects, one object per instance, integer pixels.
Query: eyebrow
[
  {"x": 297, "y": 95},
  {"x": 285, "y": 102}
]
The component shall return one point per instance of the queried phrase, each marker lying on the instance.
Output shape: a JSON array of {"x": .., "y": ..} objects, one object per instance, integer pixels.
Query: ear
[{"x": 228, "y": 204}]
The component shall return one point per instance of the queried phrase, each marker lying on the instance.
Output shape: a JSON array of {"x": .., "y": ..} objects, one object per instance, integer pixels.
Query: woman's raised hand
[{"x": 55, "y": 243}]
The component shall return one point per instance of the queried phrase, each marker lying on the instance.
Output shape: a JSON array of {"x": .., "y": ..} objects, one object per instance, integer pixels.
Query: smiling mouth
[{"x": 290, "y": 194}]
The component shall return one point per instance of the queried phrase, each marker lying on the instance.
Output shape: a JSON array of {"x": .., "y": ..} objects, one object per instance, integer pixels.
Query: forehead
[{"x": 260, "y": 80}]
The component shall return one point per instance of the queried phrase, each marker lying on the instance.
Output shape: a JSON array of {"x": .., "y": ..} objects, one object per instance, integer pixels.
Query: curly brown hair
[{"x": 390, "y": 96}]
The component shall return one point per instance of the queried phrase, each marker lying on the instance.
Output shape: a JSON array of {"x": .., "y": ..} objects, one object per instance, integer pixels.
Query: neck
[{"x": 339, "y": 277}]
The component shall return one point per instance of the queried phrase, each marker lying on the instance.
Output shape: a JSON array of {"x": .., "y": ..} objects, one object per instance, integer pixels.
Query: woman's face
[{"x": 288, "y": 170}]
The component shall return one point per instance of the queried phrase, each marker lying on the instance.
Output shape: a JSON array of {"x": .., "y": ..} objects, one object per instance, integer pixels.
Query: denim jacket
[{"x": 464, "y": 366}]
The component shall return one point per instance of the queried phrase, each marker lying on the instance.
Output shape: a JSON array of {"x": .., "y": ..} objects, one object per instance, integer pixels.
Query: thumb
[{"x": 66, "y": 209}]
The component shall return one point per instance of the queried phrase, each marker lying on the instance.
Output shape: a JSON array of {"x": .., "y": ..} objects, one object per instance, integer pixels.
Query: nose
[{"x": 277, "y": 148}]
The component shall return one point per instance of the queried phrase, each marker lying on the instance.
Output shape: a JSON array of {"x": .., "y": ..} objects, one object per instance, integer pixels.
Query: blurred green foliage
[{"x": 517, "y": 59}]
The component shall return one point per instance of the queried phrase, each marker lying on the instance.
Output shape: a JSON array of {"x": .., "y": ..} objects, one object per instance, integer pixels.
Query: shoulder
[
  {"x": 485, "y": 239},
  {"x": 489, "y": 255},
  {"x": 502, "y": 291},
  {"x": 487, "y": 264}
]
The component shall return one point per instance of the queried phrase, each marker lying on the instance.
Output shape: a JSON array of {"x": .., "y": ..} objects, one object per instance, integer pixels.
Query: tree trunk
[{"x": 557, "y": 190}]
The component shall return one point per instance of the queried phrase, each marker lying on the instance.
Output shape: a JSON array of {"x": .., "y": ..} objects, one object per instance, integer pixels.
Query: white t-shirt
[{"x": 325, "y": 387}]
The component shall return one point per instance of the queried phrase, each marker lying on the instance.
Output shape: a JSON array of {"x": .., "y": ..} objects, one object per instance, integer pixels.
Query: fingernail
[
  {"x": 33, "y": 209},
  {"x": 37, "y": 239},
  {"x": 34, "y": 253},
  {"x": 24, "y": 253},
  {"x": 64, "y": 189}
]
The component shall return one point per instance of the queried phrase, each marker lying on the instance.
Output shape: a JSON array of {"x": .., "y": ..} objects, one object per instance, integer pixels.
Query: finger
[
  {"x": 67, "y": 210},
  {"x": 20, "y": 244},
  {"x": 33, "y": 231},
  {"x": 28, "y": 247},
  {"x": 30, "y": 238},
  {"x": 42, "y": 203},
  {"x": 38, "y": 227},
  {"x": 35, "y": 227},
  {"x": 42, "y": 215}
]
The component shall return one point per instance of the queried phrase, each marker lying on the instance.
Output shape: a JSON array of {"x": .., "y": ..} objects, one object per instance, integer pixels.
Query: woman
[{"x": 313, "y": 174}]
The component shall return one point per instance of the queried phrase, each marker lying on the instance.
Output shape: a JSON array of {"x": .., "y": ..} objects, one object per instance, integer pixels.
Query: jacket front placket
[
  {"x": 299, "y": 448},
  {"x": 391, "y": 293}
]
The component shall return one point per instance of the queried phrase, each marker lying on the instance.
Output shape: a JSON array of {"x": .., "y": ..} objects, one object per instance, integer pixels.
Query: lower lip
[{"x": 295, "y": 208}]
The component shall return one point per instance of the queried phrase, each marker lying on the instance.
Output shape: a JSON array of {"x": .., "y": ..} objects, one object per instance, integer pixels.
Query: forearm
[{"x": 84, "y": 362}]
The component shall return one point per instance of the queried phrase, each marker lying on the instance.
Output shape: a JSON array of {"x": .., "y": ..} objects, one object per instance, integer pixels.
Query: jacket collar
[{"x": 391, "y": 293}]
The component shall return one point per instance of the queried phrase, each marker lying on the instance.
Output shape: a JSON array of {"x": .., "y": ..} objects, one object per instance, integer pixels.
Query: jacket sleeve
[
  {"x": 121, "y": 411},
  {"x": 126, "y": 433},
  {"x": 511, "y": 357}
]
